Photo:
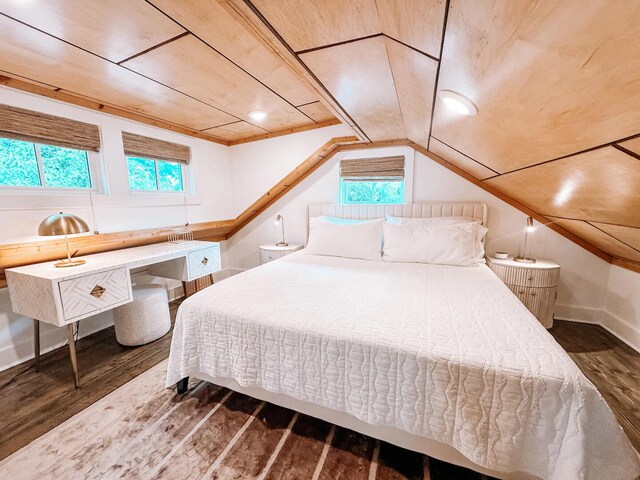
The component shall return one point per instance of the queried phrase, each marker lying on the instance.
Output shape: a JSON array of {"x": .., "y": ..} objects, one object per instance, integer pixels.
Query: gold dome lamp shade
[{"x": 64, "y": 224}]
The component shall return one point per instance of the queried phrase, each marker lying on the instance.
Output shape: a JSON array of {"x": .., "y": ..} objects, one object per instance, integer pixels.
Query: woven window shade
[
  {"x": 146, "y": 147},
  {"x": 374, "y": 168},
  {"x": 36, "y": 127}
]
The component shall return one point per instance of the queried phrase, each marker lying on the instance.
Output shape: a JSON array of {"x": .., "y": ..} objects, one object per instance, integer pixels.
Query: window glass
[
  {"x": 148, "y": 174},
  {"x": 18, "y": 163},
  {"x": 142, "y": 173},
  {"x": 372, "y": 191},
  {"x": 169, "y": 176},
  {"x": 64, "y": 167}
]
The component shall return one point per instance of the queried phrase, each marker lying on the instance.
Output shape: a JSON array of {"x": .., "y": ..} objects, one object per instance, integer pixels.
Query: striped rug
[{"x": 143, "y": 430}]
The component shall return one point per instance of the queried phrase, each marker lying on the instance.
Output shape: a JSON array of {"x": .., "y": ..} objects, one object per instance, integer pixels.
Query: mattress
[{"x": 447, "y": 353}]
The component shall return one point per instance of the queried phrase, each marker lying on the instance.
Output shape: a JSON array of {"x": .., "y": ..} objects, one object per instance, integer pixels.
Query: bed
[{"x": 443, "y": 360}]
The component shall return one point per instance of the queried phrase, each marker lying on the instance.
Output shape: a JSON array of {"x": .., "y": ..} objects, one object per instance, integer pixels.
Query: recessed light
[
  {"x": 258, "y": 115},
  {"x": 457, "y": 103}
]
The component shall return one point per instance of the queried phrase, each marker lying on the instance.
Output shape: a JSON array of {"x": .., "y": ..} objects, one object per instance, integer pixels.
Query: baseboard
[{"x": 628, "y": 334}]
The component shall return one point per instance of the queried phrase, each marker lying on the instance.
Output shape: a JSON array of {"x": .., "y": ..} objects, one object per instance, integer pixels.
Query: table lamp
[
  {"x": 64, "y": 224},
  {"x": 525, "y": 256},
  {"x": 280, "y": 221}
]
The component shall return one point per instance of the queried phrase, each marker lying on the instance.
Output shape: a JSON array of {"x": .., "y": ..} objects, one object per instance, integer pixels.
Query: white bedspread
[{"x": 448, "y": 353}]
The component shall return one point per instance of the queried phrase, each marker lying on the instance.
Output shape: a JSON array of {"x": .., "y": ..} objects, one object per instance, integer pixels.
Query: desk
[{"x": 63, "y": 296}]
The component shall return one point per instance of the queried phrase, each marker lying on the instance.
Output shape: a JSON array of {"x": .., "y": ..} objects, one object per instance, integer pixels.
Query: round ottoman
[{"x": 145, "y": 319}]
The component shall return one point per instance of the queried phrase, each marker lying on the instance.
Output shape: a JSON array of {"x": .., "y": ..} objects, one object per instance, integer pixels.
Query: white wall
[
  {"x": 20, "y": 213},
  {"x": 621, "y": 315}
]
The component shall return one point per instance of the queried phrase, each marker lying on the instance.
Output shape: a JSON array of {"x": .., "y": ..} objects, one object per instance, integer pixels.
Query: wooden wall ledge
[
  {"x": 17, "y": 254},
  {"x": 26, "y": 253}
]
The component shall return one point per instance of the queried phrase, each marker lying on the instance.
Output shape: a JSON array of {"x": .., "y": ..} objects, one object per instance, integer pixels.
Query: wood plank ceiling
[
  {"x": 132, "y": 55},
  {"x": 557, "y": 84}
]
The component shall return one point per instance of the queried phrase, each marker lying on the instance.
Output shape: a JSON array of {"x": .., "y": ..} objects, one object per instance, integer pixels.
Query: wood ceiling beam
[{"x": 249, "y": 17}]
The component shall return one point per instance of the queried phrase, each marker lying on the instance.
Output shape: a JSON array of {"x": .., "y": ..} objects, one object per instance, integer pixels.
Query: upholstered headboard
[{"x": 413, "y": 210}]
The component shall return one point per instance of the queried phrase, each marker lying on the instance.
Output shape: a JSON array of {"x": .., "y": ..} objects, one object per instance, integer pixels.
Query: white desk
[{"x": 62, "y": 296}]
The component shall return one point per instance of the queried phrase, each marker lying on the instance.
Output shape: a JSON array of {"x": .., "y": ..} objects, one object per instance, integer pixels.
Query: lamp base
[
  {"x": 524, "y": 260},
  {"x": 69, "y": 263},
  {"x": 282, "y": 244}
]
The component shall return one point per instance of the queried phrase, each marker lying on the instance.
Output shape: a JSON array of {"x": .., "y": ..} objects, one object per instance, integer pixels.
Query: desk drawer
[
  {"x": 93, "y": 293},
  {"x": 203, "y": 262}
]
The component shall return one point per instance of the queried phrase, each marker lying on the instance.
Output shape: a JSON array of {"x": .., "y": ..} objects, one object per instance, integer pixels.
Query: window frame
[
  {"x": 345, "y": 180},
  {"x": 184, "y": 178},
  {"x": 94, "y": 165}
]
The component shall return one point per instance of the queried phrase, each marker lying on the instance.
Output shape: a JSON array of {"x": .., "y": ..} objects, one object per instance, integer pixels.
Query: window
[
  {"x": 371, "y": 191},
  {"x": 27, "y": 164},
  {"x": 154, "y": 175},
  {"x": 372, "y": 180},
  {"x": 155, "y": 165}
]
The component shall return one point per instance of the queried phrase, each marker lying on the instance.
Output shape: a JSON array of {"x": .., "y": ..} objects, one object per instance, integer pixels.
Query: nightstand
[
  {"x": 535, "y": 284},
  {"x": 272, "y": 252}
]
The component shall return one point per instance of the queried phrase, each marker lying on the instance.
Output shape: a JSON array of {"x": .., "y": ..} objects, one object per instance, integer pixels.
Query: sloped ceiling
[
  {"x": 187, "y": 63},
  {"x": 557, "y": 84}
]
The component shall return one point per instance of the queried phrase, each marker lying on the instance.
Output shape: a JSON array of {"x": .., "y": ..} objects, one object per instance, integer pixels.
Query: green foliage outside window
[
  {"x": 381, "y": 191},
  {"x": 147, "y": 174},
  {"x": 62, "y": 167}
]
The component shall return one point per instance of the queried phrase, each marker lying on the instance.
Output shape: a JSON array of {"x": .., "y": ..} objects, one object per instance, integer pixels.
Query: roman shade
[
  {"x": 373, "y": 168},
  {"x": 29, "y": 126},
  {"x": 146, "y": 147}
]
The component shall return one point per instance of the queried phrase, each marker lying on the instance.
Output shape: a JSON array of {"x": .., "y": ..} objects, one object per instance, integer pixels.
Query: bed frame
[{"x": 389, "y": 434}]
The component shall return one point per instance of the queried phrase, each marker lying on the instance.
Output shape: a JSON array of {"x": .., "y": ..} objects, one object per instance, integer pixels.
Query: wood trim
[
  {"x": 302, "y": 171},
  {"x": 628, "y": 264},
  {"x": 105, "y": 108},
  {"x": 12, "y": 255},
  {"x": 249, "y": 17},
  {"x": 18, "y": 254},
  {"x": 280, "y": 133},
  {"x": 514, "y": 203}
]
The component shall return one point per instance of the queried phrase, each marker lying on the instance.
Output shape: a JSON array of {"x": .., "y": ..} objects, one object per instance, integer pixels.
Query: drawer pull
[
  {"x": 97, "y": 291},
  {"x": 520, "y": 291},
  {"x": 204, "y": 261},
  {"x": 530, "y": 279},
  {"x": 533, "y": 294}
]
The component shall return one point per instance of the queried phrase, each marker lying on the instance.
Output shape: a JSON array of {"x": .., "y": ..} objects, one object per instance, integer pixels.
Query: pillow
[
  {"x": 351, "y": 240},
  {"x": 481, "y": 230},
  {"x": 432, "y": 221},
  {"x": 341, "y": 220},
  {"x": 441, "y": 244}
]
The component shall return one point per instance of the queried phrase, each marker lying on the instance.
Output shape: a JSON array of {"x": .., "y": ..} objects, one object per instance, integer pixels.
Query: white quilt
[{"x": 448, "y": 353}]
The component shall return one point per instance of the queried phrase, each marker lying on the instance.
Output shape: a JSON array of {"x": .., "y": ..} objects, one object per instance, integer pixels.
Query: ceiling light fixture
[
  {"x": 457, "y": 103},
  {"x": 258, "y": 115}
]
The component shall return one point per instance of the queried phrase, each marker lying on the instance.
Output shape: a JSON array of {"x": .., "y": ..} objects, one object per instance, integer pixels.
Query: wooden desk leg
[
  {"x": 36, "y": 344},
  {"x": 72, "y": 354}
]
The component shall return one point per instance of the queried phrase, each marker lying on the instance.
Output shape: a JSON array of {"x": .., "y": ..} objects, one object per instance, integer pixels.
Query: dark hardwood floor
[{"x": 34, "y": 403}]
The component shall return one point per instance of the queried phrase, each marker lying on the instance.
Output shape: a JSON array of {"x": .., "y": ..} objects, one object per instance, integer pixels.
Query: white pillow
[
  {"x": 481, "y": 230},
  {"x": 341, "y": 220},
  {"x": 431, "y": 221},
  {"x": 441, "y": 244},
  {"x": 351, "y": 240}
]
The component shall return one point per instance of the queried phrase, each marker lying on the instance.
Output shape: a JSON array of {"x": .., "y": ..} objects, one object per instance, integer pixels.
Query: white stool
[{"x": 145, "y": 319}]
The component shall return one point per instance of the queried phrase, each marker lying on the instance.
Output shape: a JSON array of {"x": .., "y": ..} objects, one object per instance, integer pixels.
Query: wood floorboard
[{"x": 40, "y": 401}]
